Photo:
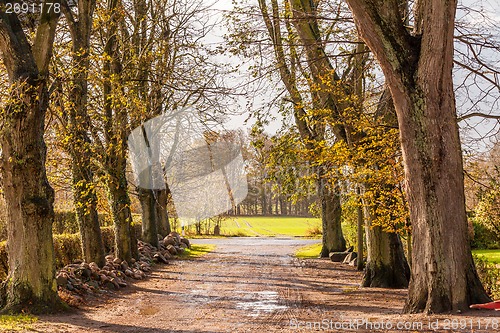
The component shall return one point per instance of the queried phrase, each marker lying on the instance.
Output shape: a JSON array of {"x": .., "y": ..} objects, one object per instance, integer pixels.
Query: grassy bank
[
  {"x": 492, "y": 256},
  {"x": 309, "y": 251},
  {"x": 197, "y": 250}
]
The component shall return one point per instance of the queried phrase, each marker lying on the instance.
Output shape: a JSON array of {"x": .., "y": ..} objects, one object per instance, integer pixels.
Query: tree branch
[
  {"x": 478, "y": 114},
  {"x": 44, "y": 38}
]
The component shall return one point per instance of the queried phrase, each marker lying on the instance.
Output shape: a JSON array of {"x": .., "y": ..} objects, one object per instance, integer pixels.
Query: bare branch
[{"x": 478, "y": 114}]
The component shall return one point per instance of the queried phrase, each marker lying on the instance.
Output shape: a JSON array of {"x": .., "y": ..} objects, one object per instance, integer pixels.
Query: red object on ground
[{"x": 491, "y": 306}]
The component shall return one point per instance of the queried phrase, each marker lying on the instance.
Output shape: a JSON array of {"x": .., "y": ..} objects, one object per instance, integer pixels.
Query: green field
[
  {"x": 490, "y": 255},
  {"x": 309, "y": 251},
  {"x": 253, "y": 226}
]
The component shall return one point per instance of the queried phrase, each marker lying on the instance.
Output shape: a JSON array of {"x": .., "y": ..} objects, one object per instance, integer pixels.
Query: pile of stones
[
  {"x": 348, "y": 257},
  {"x": 81, "y": 277}
]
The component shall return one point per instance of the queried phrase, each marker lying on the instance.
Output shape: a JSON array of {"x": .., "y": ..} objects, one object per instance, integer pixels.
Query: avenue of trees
[{"x": 365, "y": 90}]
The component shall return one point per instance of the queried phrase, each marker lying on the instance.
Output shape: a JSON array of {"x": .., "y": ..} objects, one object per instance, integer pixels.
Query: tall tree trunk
[
  {"x": 162, "y": 212},
  {"x": 150, "y": 216},
  {"x": 443, "y": 274},
  {"x": 418, "y": 69},
  {"x": 270, "y": 203},
  {"x": 263, "y": 200},
  {"x": 386, "y": 265},
  {"x": 116, "y": 129},
  {"x": 333, "y": 239},
  {"x": 360, "y": 234},
  {"x": 79, "y": 146},
  {"x": 87, "y": 216},
  {"x": 125, "y": 242},
  {"x": 283, "y": 206},
  {"x": 30, "y": 285},
  {"x": 330, "y": 204}
]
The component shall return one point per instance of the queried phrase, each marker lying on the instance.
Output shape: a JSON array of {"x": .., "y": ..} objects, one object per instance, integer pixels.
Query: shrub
[
  {"x": 489, "y": 275},
  {"x": 483, "y": 237},
  {"x": 67, "y": 248},
  {"x": 487, "y": 211},
  {"x": 314, "y": 232},
  {"x": 350, "y": 220},
  {"x": 65, "y": 222}
]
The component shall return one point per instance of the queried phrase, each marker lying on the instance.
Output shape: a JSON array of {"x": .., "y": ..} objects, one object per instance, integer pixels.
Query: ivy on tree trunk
[{"x": 30, "y": 285}]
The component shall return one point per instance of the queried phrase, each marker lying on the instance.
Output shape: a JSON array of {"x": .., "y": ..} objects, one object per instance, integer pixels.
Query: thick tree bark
[
  {"x": 30, "y": 285},
  {"x": 386, "y": 265},
  {"x": 443, "y": 273},
  {"x": 125, "y": 241},
  {"x": 149, "y": 204},
  {"x": 87, "y": 216},
  {"x": 333, "y": 239},
  {"x": 116, "y": 129},
  {"x": 360, "y": 235},
  {"x": 84, "y": 192},
  {"x": 162, "y": 213},
  {"x": 418, "y": 70}
]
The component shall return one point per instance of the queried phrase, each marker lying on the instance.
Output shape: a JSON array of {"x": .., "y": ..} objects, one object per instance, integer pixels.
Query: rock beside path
[
  {"x": 81, "y": 277},
  {"x": 338, "y": 256}
]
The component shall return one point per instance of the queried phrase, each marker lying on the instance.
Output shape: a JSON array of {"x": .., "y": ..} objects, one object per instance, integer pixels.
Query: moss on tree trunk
[
  {"x": 331, "y": 211},
  {"x": 162, "y": 213},
  {"x": 30, "y": 285},
  {"x": 386, "y": 265},
  {"x": 125, "y": 240},
  {"x": 149, "y": 205}
]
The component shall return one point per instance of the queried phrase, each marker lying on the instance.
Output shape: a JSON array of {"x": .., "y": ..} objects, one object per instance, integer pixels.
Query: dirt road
[{"x": 255, "y": 285}]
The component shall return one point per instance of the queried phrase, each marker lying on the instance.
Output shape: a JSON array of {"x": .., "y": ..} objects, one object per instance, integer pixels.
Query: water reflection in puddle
[
  {"x": 260, "y": 302},
  {"x": 198, "y": 296}
]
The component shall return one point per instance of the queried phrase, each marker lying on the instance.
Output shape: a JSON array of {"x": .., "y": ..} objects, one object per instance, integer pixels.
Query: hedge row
[
  {"x": 65, "y": 222},
  {"x": 67, "y": 248}
]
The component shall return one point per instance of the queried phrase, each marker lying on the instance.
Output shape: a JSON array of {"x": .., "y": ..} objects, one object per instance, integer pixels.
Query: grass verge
[
  {"x": 197, "y": 250},
  {"x": 16, "y": 322},
  {"x": 308, "y": 251},
  {"x": 492, "y": 256}
]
